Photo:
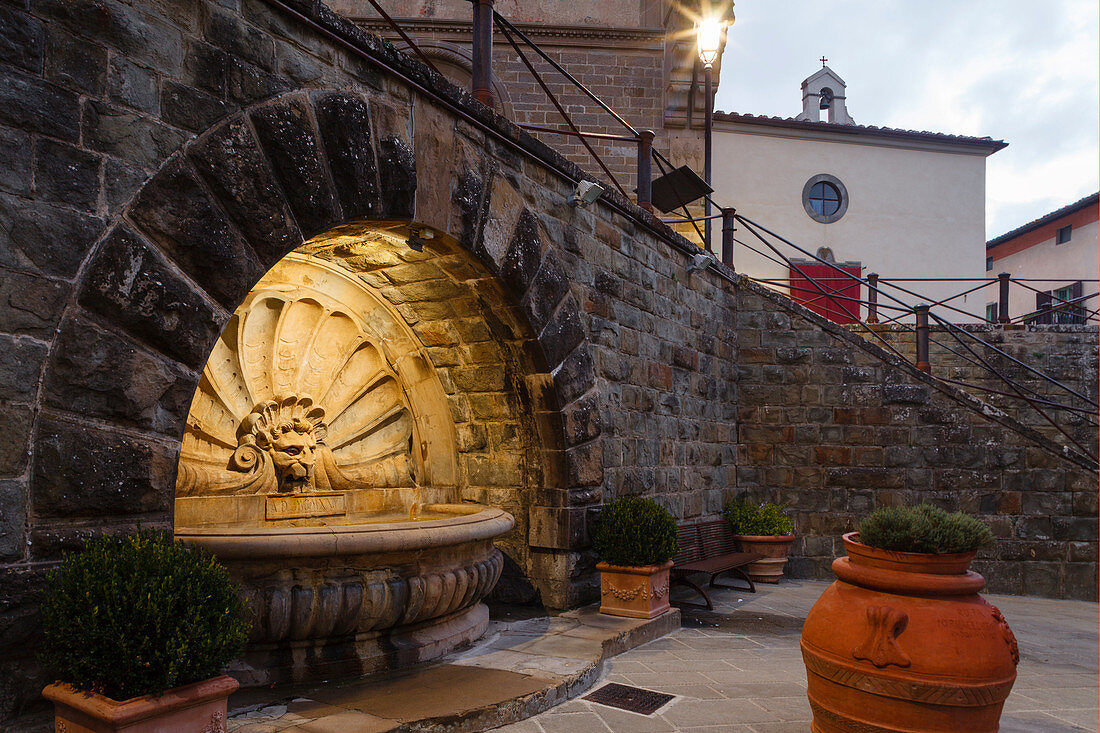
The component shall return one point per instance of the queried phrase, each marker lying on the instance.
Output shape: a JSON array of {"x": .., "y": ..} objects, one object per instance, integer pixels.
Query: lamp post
[{"x": 709, "y": 36}]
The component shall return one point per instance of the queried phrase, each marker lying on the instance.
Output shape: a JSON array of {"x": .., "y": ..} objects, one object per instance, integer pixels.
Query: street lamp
[{"x": 709, "y": 33}]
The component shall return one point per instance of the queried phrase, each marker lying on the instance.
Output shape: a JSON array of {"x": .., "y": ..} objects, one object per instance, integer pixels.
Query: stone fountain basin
[{"x": 355, "y": 599}]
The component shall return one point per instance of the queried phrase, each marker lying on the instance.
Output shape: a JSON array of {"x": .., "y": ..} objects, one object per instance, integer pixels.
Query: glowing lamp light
[{"x": 710, "y": 36}]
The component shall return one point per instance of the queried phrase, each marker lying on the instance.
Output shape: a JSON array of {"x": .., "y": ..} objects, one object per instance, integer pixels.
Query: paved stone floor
[{"x": 739, "y": 669}]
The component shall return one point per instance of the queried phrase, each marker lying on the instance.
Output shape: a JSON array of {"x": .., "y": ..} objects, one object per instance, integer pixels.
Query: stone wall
[
  {"x": 1064, "y": 353},
  {"x": 167, "y": 154},
  {"x": 834, "y": 426}
]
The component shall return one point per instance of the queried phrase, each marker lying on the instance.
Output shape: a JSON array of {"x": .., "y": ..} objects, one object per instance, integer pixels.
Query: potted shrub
[
  {"x": 902, "y": 640},
  {"x": 764, "y": 529},
  {"x": 635, "y": 539},
  {"x": 139, "y": 629}
]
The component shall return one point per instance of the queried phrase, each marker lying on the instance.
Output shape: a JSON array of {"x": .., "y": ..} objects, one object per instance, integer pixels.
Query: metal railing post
[
  {"x": 872, "y": 297},
  {"x": 482, "y": 82},
  {"x": 922, "y": 338},
  {"x": 708, "y": 72},
  {"x": 645, "y": 169},
  {"x": 728, "y": 223},
  {"x": 1002, "y": 308}
]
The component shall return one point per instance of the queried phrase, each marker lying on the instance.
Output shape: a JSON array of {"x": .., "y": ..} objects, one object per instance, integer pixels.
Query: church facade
[{"x": 899, "y": 203}]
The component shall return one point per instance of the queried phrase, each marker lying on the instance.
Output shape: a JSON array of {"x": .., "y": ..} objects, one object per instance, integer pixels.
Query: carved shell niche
[{"x": 310, "y": 329}]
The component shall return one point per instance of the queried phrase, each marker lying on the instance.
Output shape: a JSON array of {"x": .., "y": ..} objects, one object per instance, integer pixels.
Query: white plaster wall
[
  {"x": 911, "y": 212},
  {"x": 1077, "y": 259}
]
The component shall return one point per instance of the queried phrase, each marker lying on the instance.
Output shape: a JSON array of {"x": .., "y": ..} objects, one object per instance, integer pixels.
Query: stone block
[
  {"x": 582, "y": 420},
  {"x": 204, "y": 66},
  {"x": 15, "y": 440},
  {"x": 75, "y": 64},
  {"x": 285, "y": 130},
  {"x": 67, "y": 175},
  {"x": 905, "y": 394},
  {"x": 20, "y": 368},
  {"x": 95, "y": 373},
  {"x": 31, "y": 304},
  {"x": 524, "y": 254},
  {"x": 139, "y": 140},
  {"x": 86, "y": 471},
  {"x": 130, "y": 283},
  {"x": 1081, "y": 581},
  {"x": 479, "y": 378},
  {"x": 43, "y": 237},
  {"x": 562, "y": 334},
  {"x": 173, "y": 209},
  {"x": 247, "y": 84},
  {"x": 22, "y": 40},
  {"x": 33, "y": 105},
  {"x": 132, "y": 85},
  {"x": 230, "y": 161},
  {"x": 397, "y": 178},
  {"x": 557, "y": 528},
  {"x": 575, "y": 376},
  {"x": 16, "y": 164},
  {"x": 189, "y": 108},
  {"x": 496, "y": 469},
  {"x": 233, "y": 35},
  {"x": 1074, "y": 529},
  {"x": 344, "y": 123},
  {"x": 13, "y": 518}
]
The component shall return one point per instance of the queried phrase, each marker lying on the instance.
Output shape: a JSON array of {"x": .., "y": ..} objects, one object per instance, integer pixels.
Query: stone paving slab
[{"x": 520, "y": 668}]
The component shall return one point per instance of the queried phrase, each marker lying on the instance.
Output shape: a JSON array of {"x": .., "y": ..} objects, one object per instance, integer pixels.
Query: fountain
[{"x": 319, "y": 465}]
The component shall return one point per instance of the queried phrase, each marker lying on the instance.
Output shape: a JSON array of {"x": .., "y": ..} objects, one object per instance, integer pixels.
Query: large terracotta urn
[
  {"x": 902, "y": 642},
  {"x": 773, "y": 548},
  {"x": 634, "y": 591}
]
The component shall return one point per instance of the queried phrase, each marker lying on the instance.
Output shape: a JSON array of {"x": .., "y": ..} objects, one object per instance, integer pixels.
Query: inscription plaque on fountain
[{"x": 301, "y": 506}]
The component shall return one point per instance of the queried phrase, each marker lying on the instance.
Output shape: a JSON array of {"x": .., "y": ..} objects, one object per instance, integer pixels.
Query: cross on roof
[{"x": 823, "y": 60}]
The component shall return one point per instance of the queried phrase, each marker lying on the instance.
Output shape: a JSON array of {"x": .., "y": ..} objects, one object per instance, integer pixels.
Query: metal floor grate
[{"x": 632, "y": 699}]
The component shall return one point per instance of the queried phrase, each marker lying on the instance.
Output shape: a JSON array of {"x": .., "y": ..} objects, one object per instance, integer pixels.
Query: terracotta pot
[
  {"x": 634, "y": 591},
  {"x": 774, "y": 549},
  {"x": 902, "y": 642},
  {"x": 199, "y": 707}
]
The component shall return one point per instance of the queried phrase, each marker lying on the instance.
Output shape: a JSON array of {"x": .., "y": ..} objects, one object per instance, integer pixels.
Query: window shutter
[
  {"x": 1042, "y": 305},
  {"x": 1078, "y": 309}
]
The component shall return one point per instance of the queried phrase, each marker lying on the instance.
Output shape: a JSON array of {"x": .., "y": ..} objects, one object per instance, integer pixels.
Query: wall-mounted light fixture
[
  {"x": 417, "y": 238},
  {"x": 586, "y": 193}
]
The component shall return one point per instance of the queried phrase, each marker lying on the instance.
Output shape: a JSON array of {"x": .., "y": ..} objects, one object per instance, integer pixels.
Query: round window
[{"x": 825, "y": 198}]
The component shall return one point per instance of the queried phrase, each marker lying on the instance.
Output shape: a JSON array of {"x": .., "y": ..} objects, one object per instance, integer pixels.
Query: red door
[{"x": 827, "y": 291}]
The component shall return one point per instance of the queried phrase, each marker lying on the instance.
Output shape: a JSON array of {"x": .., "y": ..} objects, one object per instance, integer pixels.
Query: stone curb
[{"x": 524, "y": 648}]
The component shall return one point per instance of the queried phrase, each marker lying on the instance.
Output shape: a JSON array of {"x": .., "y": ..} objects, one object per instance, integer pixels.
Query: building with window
[
  {"x": 1054, "y": 263},
  {"x": 895, "y": 202}
]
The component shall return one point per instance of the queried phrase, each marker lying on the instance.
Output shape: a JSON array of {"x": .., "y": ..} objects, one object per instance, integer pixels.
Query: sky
[{"x": 1027, "y": 73}]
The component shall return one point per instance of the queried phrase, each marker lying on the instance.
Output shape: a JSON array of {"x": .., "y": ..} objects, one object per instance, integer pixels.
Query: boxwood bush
[
  {"x": 769, "y": 520},
  {"x": 635, "y": 531},
  {"x": 140, "y": 614},
  {"x": 925, "y": 528}
]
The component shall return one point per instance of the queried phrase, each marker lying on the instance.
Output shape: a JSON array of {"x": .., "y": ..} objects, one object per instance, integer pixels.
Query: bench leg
[
  {"x": 741, "y": 575},
  {"x": 698, "y": 589}
]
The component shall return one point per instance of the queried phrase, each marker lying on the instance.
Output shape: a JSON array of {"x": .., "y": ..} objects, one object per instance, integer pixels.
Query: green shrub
[
  {"x": 635, "y": 531},
  {"x": 136, "y": 615},
  {"x": 925, "y": 528},
  {"x": 758, "y": 519}
]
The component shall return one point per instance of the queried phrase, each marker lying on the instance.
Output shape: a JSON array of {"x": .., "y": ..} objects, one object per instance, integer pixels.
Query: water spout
[{"x": 414, "y": 512}]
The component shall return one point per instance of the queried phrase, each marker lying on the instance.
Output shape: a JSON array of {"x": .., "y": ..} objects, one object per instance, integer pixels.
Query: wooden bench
[{"x": 708, "y": 548}]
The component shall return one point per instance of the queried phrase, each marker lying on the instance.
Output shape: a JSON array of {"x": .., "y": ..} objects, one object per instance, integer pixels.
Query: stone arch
[{"x": 156, "y": 290}]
